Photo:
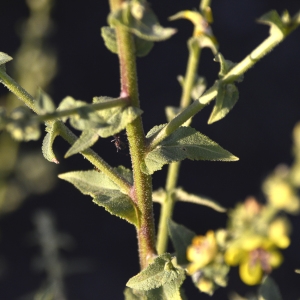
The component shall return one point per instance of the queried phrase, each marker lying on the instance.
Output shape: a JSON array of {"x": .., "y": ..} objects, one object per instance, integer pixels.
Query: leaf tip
[{"x": 54, "y": 160}]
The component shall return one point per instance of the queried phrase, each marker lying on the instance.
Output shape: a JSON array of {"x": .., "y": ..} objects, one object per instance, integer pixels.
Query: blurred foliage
[{"x": 34, "y": 66}]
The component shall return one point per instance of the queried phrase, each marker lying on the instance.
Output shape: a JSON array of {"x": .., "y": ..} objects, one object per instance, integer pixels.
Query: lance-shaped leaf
[
  {"x": 228, "y": 94},
  {"x": 157, "y": 274},
  {"x": 139, "y": 19},
  {"x": 87, "y": 139},
  {"x": 116, "y": 118},
  {"x": 269, "y": 290},
  {"x": 105, "y": 193},
  {"x": 44, "y": 103},
  {"x": 184, "y": 143},
  {"x": 227, "y": 97},
  {"x": 181, "y": 238},
  {"x": 47, "y": 146},
  {"x": 142, "y": 47},
  {"x": 182, "y": 195}
]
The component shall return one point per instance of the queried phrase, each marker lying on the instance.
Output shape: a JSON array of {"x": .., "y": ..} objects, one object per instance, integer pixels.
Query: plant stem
[
  {"x": 190, "y": 75},
  {"x": 142, "y": 192},
  {"x": 167, "y": 206}
]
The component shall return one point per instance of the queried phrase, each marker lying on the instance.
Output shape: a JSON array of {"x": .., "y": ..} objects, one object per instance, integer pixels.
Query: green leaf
[
  {"x": 47, "y": 146},
  {"x": 272, "y": 19},
  {"x": 157, "y": 274},
  {"x": 4, "y": 58},
  {"x": 184, "y": 143},
  {"x": 227, "y": 97},
  {"x": 140, "y": 20},
  {"x": 105, "y": 193},
  {"x": 142, "y": 47},
  {"x": 269, "y": 290},
  {"x": 183, "y": 196},
  {"x": 181, "y": 238},
  {"x": 109, "y": 36},
  {"x": 44, "y": 103},
  {"x": 22, "y": 126},
  {"x": 87, "y": 139},
  {"x": 116, "y": 118}
]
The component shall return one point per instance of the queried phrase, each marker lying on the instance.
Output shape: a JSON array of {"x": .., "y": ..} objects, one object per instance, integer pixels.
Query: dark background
[{"x": 258, "y": 131}]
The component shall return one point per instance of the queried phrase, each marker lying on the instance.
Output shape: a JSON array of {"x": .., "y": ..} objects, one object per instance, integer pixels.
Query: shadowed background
[{"x": 257, "y": 130}]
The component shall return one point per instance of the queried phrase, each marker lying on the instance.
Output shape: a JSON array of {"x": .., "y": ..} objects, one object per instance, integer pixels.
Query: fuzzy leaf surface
[
  {"x": 181, "y": 238},
  {"x": 184, "y": 143},
  {"x": 269, "y": 290},
  {"x": 144, "y": 25},
  {"x": 87, "y": 139},
  {"x": 157, "y": 274},
  {"x": 47, "y": 146},
  {"x": 105, "y": 193},
  {"x": 227, "y": 97}
]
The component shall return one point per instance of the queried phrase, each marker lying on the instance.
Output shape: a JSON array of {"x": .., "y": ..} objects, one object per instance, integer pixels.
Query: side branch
[
  {"x": 66, "y": 133},
  {"x": 249, "y": 61}
]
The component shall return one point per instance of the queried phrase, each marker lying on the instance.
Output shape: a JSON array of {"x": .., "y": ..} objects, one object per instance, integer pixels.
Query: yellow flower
[
  {"x": 202, "y": 251},
  {"x": 255, "y": 256}
]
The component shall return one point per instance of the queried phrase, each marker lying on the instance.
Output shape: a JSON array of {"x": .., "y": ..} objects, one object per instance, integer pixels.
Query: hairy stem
[{"x": 142, "y": 192}]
